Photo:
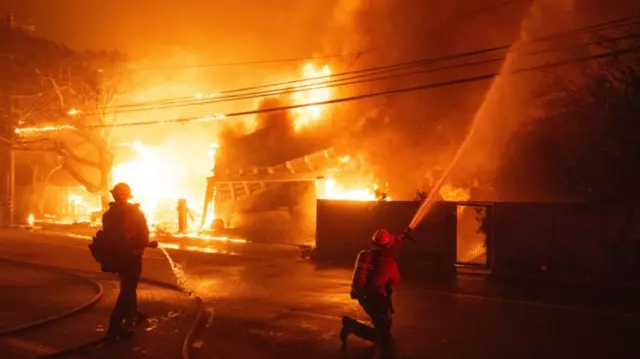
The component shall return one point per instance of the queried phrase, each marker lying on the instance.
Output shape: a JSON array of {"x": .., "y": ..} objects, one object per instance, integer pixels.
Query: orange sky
[{"x": 233, "y": 29}]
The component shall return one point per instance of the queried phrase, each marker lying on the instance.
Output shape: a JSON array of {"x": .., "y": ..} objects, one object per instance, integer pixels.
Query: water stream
[
  {"x": 181, "y": 277},
  {"x": 494, "y": 104}
]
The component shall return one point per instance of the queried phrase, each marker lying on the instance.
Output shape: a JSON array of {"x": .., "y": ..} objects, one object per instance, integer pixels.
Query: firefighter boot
[
  {"x": 116, "y": 332},
  {"x": 136, "y": 319},
  {"x": 344, "y": 333}
]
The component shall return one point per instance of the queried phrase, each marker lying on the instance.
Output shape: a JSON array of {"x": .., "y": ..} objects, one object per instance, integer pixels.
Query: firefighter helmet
[
  {"x": 382, "y": 238},
  {"x": 121, "y": 190}
]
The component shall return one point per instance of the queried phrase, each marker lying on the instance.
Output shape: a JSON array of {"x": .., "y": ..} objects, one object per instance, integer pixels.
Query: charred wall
[{"x": 285, "y": 212}]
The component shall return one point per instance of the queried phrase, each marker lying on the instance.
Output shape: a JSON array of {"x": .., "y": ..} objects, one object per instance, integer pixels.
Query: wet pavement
[
  {"x": 25, "y": 286},
  {"x": 277, "y": 305}
]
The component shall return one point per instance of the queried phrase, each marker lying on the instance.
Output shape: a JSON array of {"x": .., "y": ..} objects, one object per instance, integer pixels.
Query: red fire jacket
[{"x": 376, "y": 272}]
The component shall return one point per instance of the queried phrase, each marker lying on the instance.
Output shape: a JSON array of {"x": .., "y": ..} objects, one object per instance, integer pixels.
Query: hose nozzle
[
  {"x": 407, "y": 234},
  {"x": 153, "y": 244}
]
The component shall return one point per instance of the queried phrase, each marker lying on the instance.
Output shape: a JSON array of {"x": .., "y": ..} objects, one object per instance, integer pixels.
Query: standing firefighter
[
  {"x": 374, "y": 276},
  {"x": 125, "y": 228}
]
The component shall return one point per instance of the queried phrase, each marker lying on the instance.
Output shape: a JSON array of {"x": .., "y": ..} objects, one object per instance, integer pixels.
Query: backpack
[{"x": 105, "y": 251}]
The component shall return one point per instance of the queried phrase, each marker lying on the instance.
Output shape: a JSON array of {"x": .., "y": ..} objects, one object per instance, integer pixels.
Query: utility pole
[
  {"x": 7, "y": 165},
  {"x": 7, "y": 183}
]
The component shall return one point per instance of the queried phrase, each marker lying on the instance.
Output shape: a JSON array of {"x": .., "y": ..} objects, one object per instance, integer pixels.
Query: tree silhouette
[
  {"x": 48, "y": 84},
  {"x": 584, "y": 147}
]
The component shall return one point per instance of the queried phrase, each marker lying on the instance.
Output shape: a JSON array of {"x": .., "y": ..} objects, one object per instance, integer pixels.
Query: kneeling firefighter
[
  {"x": 119, "y": 247},
  {"x": 374, "y": 276}
]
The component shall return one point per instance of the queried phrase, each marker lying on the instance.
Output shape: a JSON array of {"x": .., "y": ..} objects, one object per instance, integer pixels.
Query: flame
[
  {"x": 210, "y": 238},
  {"x": 306, "y": 115},
  {"x": 330, "y": 189},
  {"x": 158, "y": 177},
  {"x": 212, "y": 157},
  {"x": 74, "y": 112},
  {"x": 75, "y": 199},
  {"x": 344, "y": 159},
  {"x": 31, "y": 220},
  {"x": 28, "y": 130},
  {"x": 200, "y": 95},
  {"x": 455, "y": 194}
]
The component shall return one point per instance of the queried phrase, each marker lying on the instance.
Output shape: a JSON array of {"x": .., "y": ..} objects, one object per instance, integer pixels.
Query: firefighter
[
  {"x": 374, "y": 276},
  {"x": 125, "y": 226}
]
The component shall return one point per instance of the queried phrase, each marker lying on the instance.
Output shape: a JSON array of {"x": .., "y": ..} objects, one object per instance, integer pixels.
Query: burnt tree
[{"x": 61, "y": 95}]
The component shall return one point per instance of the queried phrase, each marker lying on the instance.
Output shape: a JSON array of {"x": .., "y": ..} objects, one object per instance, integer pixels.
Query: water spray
[
  {"x": 181, "y": 277},
  {"x": 177, "y": 270},
  {"x": 489, "y": 95}
]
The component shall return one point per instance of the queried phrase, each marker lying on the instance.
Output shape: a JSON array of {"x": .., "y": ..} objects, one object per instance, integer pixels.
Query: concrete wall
[{"x": 343, "y": 228}]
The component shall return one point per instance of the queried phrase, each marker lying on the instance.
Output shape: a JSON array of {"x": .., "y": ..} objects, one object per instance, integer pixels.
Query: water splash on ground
[{"x": 181, "y": 277}]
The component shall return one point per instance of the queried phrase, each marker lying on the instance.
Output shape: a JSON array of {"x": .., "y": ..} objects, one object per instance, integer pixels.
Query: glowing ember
[
  {"x": 304, "y": 116},
  {"x": 210, "y": 238},
  {"x": 205, "y": 95},
  {"x": 29, "y": 130},
  {"x": 31, "y": 220},
  {"x": 344, "y": 159},
  {"x": 74, "y": 112}
]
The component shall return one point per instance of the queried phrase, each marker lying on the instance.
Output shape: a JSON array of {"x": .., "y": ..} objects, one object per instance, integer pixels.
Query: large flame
[
  {"x": 331, "y": 189},
  {"x": 158, "y": 177},
  {"x": 306, "y": 115},
  {"x": 345, "y": 187},
  {"x": 455, "y": 194}
]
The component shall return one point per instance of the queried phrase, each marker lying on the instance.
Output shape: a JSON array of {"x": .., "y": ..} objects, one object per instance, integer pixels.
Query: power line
[
  {"x": 374, "y": 94},
  {"x": 391, "y": 67},
  {"x": 352, "y": 54},
  {"x": 344, "y": 82},
  {"x": 378, "y": 69},
  {"x": 310, "y": 87},
  {"x": 208, "y": 118}
]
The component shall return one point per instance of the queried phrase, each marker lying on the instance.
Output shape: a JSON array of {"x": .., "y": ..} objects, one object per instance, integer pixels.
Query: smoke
[
  {"x": 282, "y": 119},
  {"x": 508, "y": 102},
  {"x": 410, "y": 136}
]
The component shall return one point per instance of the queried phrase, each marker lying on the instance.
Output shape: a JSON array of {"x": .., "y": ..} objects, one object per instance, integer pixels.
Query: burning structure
[{"x": 267, "y": 182}]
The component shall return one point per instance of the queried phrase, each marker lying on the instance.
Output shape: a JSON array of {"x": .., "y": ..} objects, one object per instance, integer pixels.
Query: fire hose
[
  {"x": 187, "y": 343},
  {"x": 98, "y": 287}
]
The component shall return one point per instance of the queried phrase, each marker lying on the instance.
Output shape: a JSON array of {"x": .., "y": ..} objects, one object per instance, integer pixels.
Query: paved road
[
  {"x": 25, "y": 287},
  {"x": 277, "y": 305}
]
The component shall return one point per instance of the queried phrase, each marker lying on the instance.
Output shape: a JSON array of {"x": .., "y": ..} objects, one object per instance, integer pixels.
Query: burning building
[{"x": 266, "y": 183}]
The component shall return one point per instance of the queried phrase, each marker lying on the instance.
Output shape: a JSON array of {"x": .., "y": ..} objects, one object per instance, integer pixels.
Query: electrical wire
[
  {"x": 344, "y": 82},
  {"x": 609, "y": 25},
  {"x": 391, "y": 67},
  {"x": 421, "y": 87},
  {"x": 209, "y": 118}
]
